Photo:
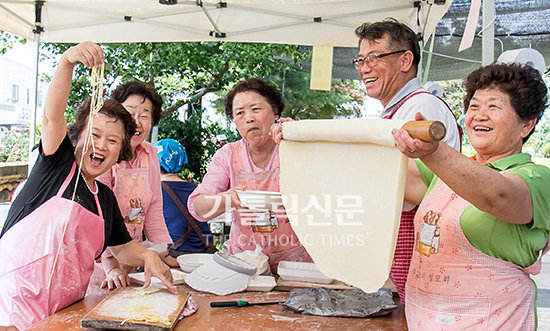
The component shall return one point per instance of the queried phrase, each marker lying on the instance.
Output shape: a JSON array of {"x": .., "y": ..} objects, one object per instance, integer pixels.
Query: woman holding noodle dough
[
  {"x": 63, "y": 218},
  {"x": 483, "y": 221}
]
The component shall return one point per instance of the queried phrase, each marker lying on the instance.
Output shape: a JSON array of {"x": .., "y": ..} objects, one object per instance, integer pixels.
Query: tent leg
[
  {"x": 32, "y": 132},
  {"x": 488, "y": 37},
  {"x": 429, "y": 60}
]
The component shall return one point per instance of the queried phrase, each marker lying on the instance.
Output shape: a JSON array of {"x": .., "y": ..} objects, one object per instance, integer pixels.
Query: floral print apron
[{"x": 453, "y": 286}]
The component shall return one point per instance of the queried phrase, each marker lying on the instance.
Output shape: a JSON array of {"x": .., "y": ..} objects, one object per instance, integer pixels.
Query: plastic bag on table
[
  {"x": 257, "y": 259},
  {"x": 321, "y": 301}
]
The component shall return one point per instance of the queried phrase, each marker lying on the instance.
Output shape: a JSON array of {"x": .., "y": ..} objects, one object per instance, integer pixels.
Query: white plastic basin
[{"x": 190, "y": 262}]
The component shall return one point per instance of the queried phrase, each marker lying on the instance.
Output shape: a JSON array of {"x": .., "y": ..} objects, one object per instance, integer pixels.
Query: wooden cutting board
[{"x": 121, "y": 304}]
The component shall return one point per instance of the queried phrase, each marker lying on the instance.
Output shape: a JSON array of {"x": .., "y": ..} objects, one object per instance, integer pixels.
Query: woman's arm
[
  {"x": 8, "y": 328},
  {"x": 208, "y": 206},
  {"x": 214, "y": 195},
  {"x": 505, "y": 196},
  {"x": 54, "y": 125},
  {"x": 135, "y": 255}
]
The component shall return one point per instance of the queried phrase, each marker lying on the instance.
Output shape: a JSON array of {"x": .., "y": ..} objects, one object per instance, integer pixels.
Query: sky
[{"x": 24, "y": 54}]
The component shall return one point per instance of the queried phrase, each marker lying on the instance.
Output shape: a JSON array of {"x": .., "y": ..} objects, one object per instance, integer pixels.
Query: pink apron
[
  {"x": 134, "y": 197},
  {"x": 452, "y": 285},
  {"x": 279, "y": 242},
  {"x": 25, "y": 297},
  {"x": 405, "y": 236}
]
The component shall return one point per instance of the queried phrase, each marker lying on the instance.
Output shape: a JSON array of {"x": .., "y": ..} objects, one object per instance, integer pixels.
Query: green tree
[
  {"x": 303, "y": 103},
  {"x": 183, "y": 72}
]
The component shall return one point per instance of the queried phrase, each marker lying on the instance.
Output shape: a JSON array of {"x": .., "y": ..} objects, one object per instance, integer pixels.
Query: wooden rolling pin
[{"x": 425, "y": 130}]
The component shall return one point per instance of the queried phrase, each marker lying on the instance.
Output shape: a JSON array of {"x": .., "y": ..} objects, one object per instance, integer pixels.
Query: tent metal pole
[
  {"x": 488, "y": 36},
  {"x": 32, "y": 131},
  {"x": 429, "y": 60},
  {"x": 37, "y": 31}
]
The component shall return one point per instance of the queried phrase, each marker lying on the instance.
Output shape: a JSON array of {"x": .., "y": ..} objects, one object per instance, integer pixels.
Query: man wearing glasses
[{"x": 388, "y": 59}]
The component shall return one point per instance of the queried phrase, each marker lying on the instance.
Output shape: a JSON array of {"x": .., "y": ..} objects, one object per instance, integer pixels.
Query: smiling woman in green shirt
[{"x": 483, "y": 221}]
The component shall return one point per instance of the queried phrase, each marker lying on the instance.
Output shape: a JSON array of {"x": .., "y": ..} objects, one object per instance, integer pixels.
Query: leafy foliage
[
  {"x": 303, "y": 103},
  {"x": 15, "y": 146},
  {"x": 183, "y": 72},
  {"x": 7, "y": 40},
  {"x": 539, "y": 142}
]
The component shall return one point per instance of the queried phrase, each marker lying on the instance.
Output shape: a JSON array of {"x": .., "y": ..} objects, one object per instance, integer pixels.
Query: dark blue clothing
[{"x": 176, "y": 221}]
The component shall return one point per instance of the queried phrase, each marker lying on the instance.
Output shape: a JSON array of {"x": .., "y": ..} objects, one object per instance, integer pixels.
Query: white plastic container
[
  {"x": 190, "y": 262},
  {"x": 302, "y": 272},
  {"x": 261, "y": 283},
  {"x": 223, "y": 275},
  {"x": 264, "y": 200}
]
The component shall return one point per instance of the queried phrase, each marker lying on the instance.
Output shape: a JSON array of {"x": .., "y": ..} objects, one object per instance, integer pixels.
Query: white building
[{"x": 17, "y": 95}]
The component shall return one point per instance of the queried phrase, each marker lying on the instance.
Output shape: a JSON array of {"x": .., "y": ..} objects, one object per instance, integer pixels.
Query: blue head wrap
[{"x": 171, "y": 155}]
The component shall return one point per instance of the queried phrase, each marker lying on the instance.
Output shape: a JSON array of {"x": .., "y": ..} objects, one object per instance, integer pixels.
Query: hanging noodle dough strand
[{"x": 96, "y": 101}]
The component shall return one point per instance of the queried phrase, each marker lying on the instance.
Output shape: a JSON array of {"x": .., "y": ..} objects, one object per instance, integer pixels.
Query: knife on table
[{"x": 240, "y": 303}]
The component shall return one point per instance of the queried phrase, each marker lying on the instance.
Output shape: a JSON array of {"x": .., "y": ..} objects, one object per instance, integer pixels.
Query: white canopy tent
[{"x": 303, "y": 22}]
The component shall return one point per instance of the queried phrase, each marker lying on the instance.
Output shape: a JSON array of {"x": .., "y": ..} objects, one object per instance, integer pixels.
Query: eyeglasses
[{"x": 372, "y": 60}]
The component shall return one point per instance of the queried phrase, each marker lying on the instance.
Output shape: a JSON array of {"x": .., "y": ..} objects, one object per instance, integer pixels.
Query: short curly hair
[
  {"x": 265, "y": 89},
  {"x": 112, "y": 109},
  {"x": 400, "y": 36},
  {"x": 522, "y": 83},
  {"x": 146, "y": 91}
]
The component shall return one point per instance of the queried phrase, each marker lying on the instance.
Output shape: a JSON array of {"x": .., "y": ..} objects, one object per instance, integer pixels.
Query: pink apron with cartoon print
[
  {"x": 25, "y": 297},
  {"x": 280, "y": 243},
  {"x": 453, "y": 286},
  {"x": 134, "y": 197},
  {"x": 405, "y": 236}
]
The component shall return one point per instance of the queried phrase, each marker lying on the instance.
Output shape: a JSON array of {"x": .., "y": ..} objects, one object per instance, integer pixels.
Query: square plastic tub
[
  {"x": 261, "y": 283},
  {"x": 302, "y": 272}
]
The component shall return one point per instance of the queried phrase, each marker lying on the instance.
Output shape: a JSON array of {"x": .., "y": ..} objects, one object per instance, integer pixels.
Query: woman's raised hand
[{"x": 87, "y": 52}]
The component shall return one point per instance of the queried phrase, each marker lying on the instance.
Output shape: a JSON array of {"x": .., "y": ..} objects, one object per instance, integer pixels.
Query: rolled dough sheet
[{"x": 343, "y": 183}]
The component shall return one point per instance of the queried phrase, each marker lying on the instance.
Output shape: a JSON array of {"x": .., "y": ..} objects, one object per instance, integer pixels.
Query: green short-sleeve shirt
[{"x": 516, "y": 243}]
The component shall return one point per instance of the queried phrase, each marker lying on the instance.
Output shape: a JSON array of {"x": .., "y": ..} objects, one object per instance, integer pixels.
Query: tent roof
[
  {"x": 518, "y": 24},
  {"x": 303, "y": 22}
]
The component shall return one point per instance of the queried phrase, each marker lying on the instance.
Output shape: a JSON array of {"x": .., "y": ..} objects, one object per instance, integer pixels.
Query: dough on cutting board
[
  {"x": 148, "y": 290},
  {"x": 343, "y": 185},
  {"x": 144, "y": 313}
]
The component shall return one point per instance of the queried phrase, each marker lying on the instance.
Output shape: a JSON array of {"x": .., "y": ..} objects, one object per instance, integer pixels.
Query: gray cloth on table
[{"x": 340, "y": 303}]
